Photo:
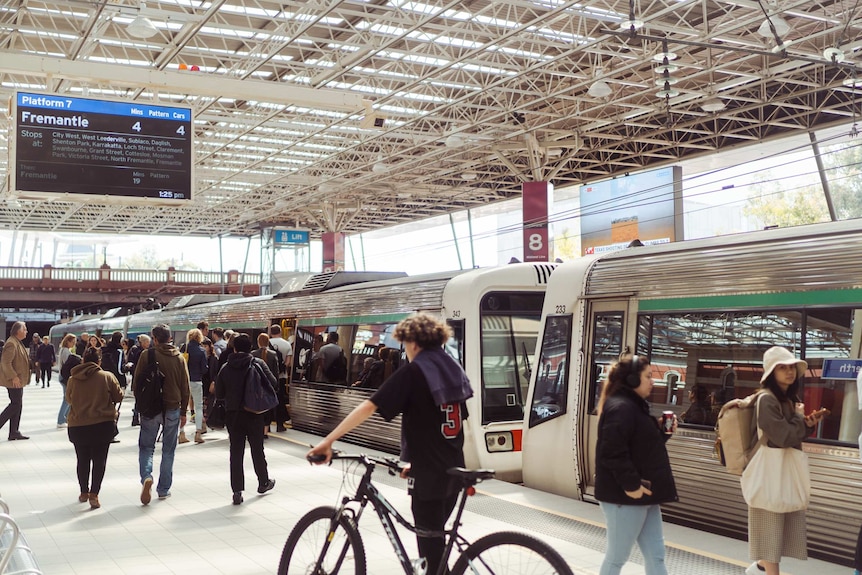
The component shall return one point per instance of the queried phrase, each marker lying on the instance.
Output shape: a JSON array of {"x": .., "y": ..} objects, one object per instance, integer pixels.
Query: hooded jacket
[
  {"x": 631, "y": 448},
  {"x": 230, "y": 383},
  {"x": 91, "y": 394},
  {"x": 175, "y": 392}
]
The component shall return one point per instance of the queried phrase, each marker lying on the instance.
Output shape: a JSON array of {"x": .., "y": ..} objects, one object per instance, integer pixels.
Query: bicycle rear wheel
[
  {"x": 510, "y": 553},
  {"x": 345, "y": 554}
]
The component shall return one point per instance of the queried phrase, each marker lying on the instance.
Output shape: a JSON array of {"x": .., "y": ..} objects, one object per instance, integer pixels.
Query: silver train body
[
  {"x": 494, "y": 314},
  {"x": 704, "y": 312}
]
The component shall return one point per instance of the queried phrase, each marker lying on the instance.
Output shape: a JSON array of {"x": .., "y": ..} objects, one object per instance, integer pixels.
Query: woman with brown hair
[
  {"x": 67, "y": 348},
  {"x": 93, "y": 395}
]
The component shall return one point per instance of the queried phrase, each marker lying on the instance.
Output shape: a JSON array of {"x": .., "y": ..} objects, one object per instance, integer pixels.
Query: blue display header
[
  {"x": 135, "y": 109},
  {"x": 283, "y": 236},
  {"x": 841, "y": 368}
]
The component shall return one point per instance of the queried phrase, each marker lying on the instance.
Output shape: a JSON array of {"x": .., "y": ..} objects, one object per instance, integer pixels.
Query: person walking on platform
[
  {"x": 47, "y": 360},
  {"x": 82, "y": 344},
  {"x": 633, "y": 474},
  {"x": 93, "y": 395},
  {"x": 175, "y": 401},
  {"x": 142, "y": 342},
  {"x": 198, "y": 366},
  {"x": 430, "y": 393},
  {"x": 35, "y": 368},
  {"x": 14, "y": 375},
  {"x": 243, "y": 425},
  {"x": 781, "y": 419},
  {"x": 67, "y": 349}
]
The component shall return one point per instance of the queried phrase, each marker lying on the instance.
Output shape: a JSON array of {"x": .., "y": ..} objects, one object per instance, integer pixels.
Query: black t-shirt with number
[{"x": 432, "y": 437}]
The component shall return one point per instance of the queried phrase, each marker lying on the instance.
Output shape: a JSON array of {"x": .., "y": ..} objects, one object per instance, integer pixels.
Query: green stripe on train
[
  {"x": 359, "y": 319},
  {"x": 758, "y": 300}
]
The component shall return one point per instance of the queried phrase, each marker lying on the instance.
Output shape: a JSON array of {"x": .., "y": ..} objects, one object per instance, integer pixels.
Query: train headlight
[{"x": 499, "y": 441}]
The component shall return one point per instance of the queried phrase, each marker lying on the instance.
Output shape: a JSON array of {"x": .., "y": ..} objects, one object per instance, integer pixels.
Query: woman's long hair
[
  {"x": 617, "y": 375},
  {"x": 792, "y": 393}
]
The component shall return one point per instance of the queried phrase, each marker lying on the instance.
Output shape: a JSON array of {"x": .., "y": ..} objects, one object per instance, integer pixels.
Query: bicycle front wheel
[
  {"x": 510, "y": 553},
  {"x": 304, "y": 554}
]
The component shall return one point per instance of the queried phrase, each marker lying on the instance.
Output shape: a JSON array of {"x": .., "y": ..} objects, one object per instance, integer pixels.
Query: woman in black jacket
[{"x": 633, "y": 474}]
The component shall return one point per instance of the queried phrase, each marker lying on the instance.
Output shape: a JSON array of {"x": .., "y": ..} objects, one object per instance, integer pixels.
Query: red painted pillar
[
  {"x": 535, "y": 197},
  {"x": 333, "y": 251}
]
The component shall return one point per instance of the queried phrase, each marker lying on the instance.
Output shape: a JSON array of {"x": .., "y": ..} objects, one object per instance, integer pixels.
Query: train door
[
  {"x": 611, "y": 326},
  {"x": 288, "y": 332}
]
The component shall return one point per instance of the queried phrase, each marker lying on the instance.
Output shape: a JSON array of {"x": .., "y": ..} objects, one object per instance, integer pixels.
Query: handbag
[
  {"x": 776, "y": 479},
  {"x": 216, "y": 415}
]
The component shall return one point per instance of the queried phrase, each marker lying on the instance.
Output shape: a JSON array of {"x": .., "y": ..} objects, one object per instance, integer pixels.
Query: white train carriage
[
  {"x": 704, "y": 312},
  {"x": 494, "y": 314}
]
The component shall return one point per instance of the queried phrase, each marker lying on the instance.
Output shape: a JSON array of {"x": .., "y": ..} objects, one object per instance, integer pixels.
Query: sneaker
[
  {"x": 237, "y": 497},
  {"x": 266, "y": 486},
  {"x": 146, "y": 496},
  {"x": 62, "y": 425},
  {"x": 164, "y": 495},
  {"x": 754, "y": 569}
]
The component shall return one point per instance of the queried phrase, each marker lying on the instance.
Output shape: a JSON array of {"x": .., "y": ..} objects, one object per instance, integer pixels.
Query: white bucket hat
[{"x": 780, "y": 356}]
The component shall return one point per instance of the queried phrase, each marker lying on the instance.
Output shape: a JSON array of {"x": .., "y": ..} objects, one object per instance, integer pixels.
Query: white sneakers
[
  {"x": 753, "y": 569},
  {"x": 61, "y": 425}
]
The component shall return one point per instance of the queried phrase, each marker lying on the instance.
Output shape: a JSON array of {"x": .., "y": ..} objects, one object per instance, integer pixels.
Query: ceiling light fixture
[
  {"x": 455, "y": 141},
  {"x": 712, "y": 105},
  {"x": 599, "y": 88},
  {"x": 780, "y": 24},
  {"x": 379, "y": 166},
  {"x": 141, "y": 26},
  {"x": 667, "y": 92},
  {"x": 834, "y": 55}
]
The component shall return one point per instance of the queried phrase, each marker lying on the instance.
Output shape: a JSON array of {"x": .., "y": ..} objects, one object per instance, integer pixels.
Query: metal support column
[
  {"x": 824, "y": 181},
  {"x": 455, "y": 237}
]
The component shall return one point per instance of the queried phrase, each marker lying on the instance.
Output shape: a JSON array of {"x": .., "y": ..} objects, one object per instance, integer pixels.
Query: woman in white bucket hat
[{"x": 781, "y": 418}]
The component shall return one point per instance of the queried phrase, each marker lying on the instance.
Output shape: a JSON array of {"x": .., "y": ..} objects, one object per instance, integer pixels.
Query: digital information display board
[{"x": 116, "y": 151}]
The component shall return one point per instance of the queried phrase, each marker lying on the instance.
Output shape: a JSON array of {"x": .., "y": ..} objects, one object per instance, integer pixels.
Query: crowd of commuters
[{"x": 633, "y": 472}]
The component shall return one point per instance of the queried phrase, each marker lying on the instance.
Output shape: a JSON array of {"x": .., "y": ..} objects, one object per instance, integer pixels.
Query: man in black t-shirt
[{"x": 430, "y": 393}]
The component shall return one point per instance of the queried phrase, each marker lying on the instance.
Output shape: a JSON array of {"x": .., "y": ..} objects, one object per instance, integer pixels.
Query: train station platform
[{"x": 197, "y": 530}]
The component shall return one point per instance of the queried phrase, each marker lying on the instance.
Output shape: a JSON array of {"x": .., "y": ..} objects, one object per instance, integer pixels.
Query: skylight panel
[
  {"x": 45, "y": 34},
  {"x": 228, "y": 32},
  {"x": 485, "y": 69},
  {"x": 124, "y": 62}
]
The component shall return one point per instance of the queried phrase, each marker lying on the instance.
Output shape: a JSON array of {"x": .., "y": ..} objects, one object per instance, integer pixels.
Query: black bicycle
[{"x": 326, "y": 540}]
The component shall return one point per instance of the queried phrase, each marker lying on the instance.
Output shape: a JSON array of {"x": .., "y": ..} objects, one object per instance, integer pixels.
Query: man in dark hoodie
[
  {"x": 243, "y": 425},
  {"x": 175, "y": 397}
]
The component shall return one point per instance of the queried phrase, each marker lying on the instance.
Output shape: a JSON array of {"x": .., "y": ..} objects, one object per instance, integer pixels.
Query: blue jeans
[
  {"x": 196, "y": 391},
  {"x": 630, "y": 523},
  {"x": 170, "y": 421},
  {"x": 64, "y": 407}
]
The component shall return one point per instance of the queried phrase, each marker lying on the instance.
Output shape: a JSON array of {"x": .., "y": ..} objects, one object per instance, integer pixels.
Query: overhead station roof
[{"x": 472, "y": 98}]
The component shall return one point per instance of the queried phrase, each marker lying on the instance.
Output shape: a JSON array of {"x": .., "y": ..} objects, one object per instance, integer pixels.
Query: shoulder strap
[{"x": 761, "y": 437}]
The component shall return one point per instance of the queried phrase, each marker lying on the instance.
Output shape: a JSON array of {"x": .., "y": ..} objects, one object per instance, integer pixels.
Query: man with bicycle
[{"x": 430, "y": 392}]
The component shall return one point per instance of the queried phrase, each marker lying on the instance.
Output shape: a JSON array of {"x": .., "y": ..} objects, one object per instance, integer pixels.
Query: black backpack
[
  {"x": 278, "y": 354},
  {"x": 337, "y": 370},
  {"x": 148, "y": 388}
]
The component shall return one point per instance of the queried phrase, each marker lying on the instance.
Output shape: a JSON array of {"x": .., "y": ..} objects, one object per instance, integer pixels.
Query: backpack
[
  {"x": 733, "y": 444},
  {"x": 280, "y": 357},
  {"x": 258, "y": 394},
  {"x": 66, "y": 368},
  {"x": 337, "y": 370},
  {"x": 148, "y": 388}
]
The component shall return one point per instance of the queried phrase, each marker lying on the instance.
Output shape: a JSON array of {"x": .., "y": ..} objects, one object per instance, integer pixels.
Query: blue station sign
[
  {"x": 284, "y": 237},
  {"x": 841, "y": 368}
]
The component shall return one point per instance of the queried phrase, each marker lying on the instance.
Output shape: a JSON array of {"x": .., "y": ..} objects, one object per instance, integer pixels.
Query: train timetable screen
[{"x": 110, "y": 150}]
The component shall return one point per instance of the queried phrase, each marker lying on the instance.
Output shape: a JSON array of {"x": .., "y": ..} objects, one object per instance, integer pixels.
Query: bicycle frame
[{"x": 366, "y": 493}]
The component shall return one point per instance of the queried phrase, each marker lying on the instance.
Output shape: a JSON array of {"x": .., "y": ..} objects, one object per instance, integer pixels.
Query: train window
[
  {"x": 455, "y": 344},
  {"x": 370, "y": 341},
  {"x": 607, "y": 333},
  {"x": 552, "y": 381},
  {"x": 509, "y": 329},
  {"x": 718, "y": 356}
]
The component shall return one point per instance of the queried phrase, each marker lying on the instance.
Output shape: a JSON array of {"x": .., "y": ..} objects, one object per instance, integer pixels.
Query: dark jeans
[
  {"x": 97, "y": 457},
  {"x": 12, "y": 413},
  {"x": 46, "y": 372},
  {"x": 242, "y": 426},
  {"x": 431, "y": 515}
]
